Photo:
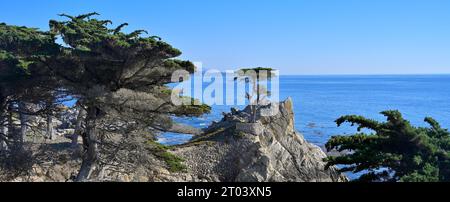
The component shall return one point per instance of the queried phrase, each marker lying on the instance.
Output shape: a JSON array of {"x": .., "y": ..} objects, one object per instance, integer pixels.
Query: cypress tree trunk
[
  {"x": 3, "y": 132},
  {"x": 11, "y": 135},
  {"x": 23, "y": 122},
  {"x": 90, "y": 156},
  {"x": 254, "y": 114},
  {"x": 3, "y": 126},
  {"x": 253, "y": 105},
  {"x": 50, "y": 129},
  {"x": 3, "y": 129},
  {"x": 78, "y": 126}
]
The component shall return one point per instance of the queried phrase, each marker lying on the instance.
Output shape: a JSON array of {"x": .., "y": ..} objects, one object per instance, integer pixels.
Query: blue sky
[{"x": 294, "y": 36}]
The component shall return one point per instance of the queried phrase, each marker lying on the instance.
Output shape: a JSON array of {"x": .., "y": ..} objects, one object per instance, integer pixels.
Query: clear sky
[{"x": 294, "y": 36}]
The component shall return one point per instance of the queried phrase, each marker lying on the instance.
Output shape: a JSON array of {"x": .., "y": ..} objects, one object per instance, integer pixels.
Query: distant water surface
[{"x": 320, "y": 100}]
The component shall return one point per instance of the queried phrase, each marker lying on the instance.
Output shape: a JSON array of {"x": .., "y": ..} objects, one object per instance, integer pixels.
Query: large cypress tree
[
  {"x": 112, "y": 72},
  {"x": 118, "y": 78},
  {"x": 22, "y": 82}
]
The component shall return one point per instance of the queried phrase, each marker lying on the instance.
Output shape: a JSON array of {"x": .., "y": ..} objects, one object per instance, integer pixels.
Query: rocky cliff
[
  {"x": 230, "y": 150},
  {"x": 268, "y": 150}
]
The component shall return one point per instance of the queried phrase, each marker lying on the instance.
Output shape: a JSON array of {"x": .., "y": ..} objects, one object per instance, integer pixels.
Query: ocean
[{"x": 320, "y": 100}]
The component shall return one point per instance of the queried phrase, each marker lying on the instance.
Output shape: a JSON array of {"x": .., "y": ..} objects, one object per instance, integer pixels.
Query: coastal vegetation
[
  {"x": 256, "y": 76},
  {"x": 393, "y": 150},
  {"x": 174, "y": 163},
  {"x": 118, "y": 80}
]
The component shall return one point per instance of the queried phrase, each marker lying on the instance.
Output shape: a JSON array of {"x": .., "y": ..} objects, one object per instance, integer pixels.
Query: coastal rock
[
  {"x": 250, "y": 128},
  {"x": 230, "y": 150},
  {"x": 268, "y": 150}
]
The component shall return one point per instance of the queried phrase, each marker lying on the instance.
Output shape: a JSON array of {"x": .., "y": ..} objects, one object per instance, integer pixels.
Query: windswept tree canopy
[
  {"x": 120, "y": 71},
  {"x": 108, "y": 57},
  {"x": 117, "y": 78},
  {"x": 396, "y": 151},
  {"x": 97, "y": 64},
  {"x": 21, "y": 72}
]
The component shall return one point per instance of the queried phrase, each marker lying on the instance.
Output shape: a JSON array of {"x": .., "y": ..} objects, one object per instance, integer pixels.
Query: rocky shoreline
[
  {"x": 268, "y": 150},
  {"x": 231, "y": 150}
]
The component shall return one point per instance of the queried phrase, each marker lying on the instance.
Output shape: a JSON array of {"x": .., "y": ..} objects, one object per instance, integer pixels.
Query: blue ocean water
[{"x": 320, "y": 100}]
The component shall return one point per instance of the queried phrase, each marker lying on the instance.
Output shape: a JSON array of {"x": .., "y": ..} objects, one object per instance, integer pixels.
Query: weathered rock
[
  {"x": 269, "y": 150},
  {"x": 231, "y": 150},
  {"x": 184, "y": 129},
  {"x": 250, "y": 128}
]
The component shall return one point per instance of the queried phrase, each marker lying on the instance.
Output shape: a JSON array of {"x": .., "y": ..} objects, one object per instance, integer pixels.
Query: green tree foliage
[
  {"x": 116, "y": 73},
  {"x": 395, "y": 151},
  {"x": 257, "y": 94},
  {"x": 118, "y": 78},
  {"x": 22, "y": 81},
  {"x": 19, "y": 49}
]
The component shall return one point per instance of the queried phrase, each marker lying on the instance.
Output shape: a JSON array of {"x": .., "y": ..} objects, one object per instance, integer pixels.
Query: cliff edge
[
  {"x": 234, "y": 150},
  {"x": 231, "y": 150}
]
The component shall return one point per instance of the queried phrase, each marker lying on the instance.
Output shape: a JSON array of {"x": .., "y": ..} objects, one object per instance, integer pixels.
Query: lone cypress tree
[
  {"x": 258, "y": 92},
  {"x": 395, "y": 151}
]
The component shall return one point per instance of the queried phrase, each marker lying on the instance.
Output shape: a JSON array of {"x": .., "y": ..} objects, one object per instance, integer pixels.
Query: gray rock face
[
  {"x": 250, "y": 128},
  {"x": 231, "y": 150},
  {"x": 269, "y": 150}
]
